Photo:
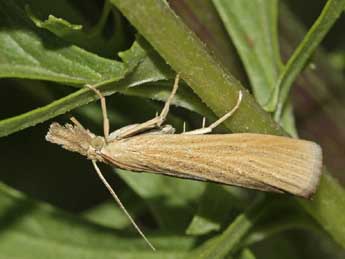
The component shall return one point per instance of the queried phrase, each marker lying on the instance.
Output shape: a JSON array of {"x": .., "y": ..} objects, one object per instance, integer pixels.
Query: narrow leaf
[
  {"x": 213, "y": 211},
  {"x": 223, "y": 244},
  {"x": 91, "y": 39},
  {"x": 252, "y": 26},
  {"x": 247, "y": 254},
  {"x": 150, "y": 69},
  {"x": 29, "y": 52},
  {"x": 41, "y": 231},
  {"x": 170, "y": 199},
  {"x": 329, "y": 15}
]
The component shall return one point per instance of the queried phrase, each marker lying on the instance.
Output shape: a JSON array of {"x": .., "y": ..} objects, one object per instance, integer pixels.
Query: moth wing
[{"x": 264, "y": 162}]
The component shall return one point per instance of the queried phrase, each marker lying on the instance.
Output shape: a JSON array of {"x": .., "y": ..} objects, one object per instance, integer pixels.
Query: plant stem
[{"x": 187, "y": 55}]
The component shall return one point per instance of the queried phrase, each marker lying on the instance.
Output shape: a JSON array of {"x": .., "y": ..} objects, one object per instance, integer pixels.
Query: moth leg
[
  {"x": 215, "y": 124},
  {"x": 166, "y": 129},
  {"x": 157, "y": 121},
  {"x": 104, "y": 111},
  {"x": 162, "y": 116}
]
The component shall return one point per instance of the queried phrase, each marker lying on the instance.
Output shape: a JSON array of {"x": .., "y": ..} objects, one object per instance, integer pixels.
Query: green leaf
[
  {"x": 170, "y": 199},
  {"x": 92, "y": 39},
  {"x": 29, "y": 52},
  {"x": 280, "y": 246},
  {"x": 338, "y": 60},
  {"x": 213, "y": 211},
  {"x": 148, "y": 67},
  {"x": 154, "y": 70},
  {"x": 41, "y": 231},
  {"x": 110, "y": 215},
  {"x": 223, "y": 244},
  {"x": 152, "y": 67},
  {"x": 252, "y": 26},
  {"x": 303, "y": 53},
  {"x": 246, "y": 254},
  {"x": 62, "y": 8},
  {"x": 106, "y": 213},
  {"x": 58, "y": 26},
  {"x": 286, "y": 222},
  {"x": 288, "y": 120}
]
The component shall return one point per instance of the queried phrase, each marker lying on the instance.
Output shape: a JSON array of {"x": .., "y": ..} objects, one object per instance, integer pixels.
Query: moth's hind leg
[
  {"x": 156, "y": 122},
  {"x": 205, "y": 130}
]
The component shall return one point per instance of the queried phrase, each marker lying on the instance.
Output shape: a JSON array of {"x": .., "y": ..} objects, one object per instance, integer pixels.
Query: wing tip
[{"x": 315, "y": 172}]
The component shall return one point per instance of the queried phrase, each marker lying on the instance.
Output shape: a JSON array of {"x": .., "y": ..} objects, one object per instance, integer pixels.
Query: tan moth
[{"x": 257, "y": 161}]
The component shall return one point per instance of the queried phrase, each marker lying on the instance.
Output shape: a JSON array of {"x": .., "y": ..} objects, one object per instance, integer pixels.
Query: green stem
[
  {"x": 188, "y": 56},
  {"x": 328, "y": 206}
]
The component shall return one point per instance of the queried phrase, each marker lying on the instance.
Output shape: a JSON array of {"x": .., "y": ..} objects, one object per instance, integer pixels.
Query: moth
[{"x": 256, "y": 161}]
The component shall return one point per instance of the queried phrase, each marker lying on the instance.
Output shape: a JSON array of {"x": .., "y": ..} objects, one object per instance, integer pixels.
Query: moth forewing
[{"x": 263, "y": 162}]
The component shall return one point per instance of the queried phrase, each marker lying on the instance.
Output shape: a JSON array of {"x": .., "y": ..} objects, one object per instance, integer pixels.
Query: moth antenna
[{"x": 118, "y": 201}]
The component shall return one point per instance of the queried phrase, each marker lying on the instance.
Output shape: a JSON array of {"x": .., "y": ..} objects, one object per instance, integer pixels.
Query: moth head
[{"x": 76, "y": 139}]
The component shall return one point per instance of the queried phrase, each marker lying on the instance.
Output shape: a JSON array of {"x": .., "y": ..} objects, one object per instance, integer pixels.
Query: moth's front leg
[
  {"x": 156, "y": 122},
  {"x": 166, "y": 129},
  {"x": 106, "y": 126}
]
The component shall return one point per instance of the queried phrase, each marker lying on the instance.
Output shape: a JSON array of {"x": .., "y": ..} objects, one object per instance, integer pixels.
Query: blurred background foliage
[{"x": 51, "y": 203}]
